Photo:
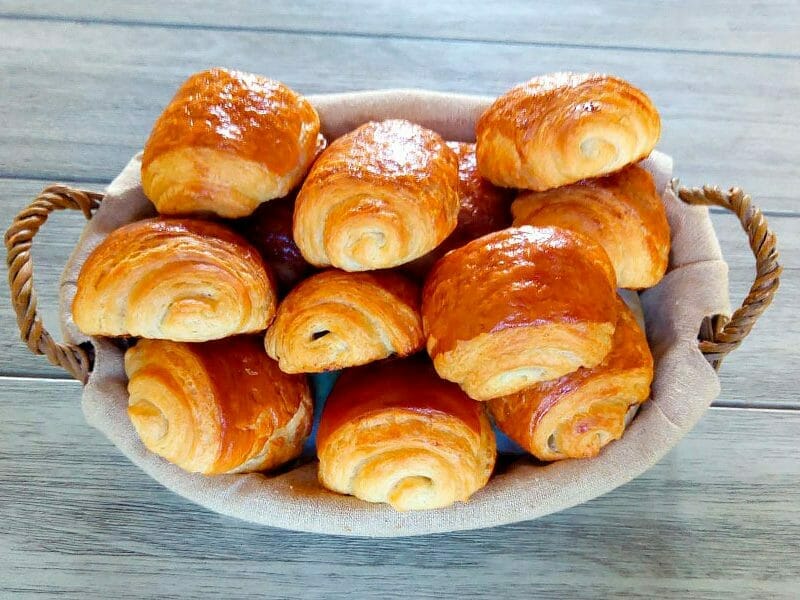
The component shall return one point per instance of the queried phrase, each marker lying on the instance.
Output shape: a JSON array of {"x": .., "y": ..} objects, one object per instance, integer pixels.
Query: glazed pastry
[
  {"x": 176, "y": 279},
  {"x": 621, "y": 211},
  {"x": 335, "y": 319},
  {"x": 216, "y": 407},
  {"x": 394, "y": 432},
  {"x": 519, "y": 306},
  {"x": 269, "y": 229},
  {"x": 576, "y": 415},
  {"x": 484, "y": 209},
  {"x": 558, "y": 129},
  {"x": 227, "y": 142},
  {"x": 379, "y": 196}
]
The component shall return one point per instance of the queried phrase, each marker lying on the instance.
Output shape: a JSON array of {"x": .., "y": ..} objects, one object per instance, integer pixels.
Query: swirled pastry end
[
  {"x": 519, "y": 306},
  {"x": 379, "y": 196},
  {"x": 558, "y": 129},
  {"x": 178, "y": 279},
  {"x": 227, "y": 142},
  {"x": 396, "y": 433},
  {"x": 336, "y": 319},
  {"x": 621, "y": 211},
  {"x": 576, "y": 415},
  {"x": 216, "y": 407}
]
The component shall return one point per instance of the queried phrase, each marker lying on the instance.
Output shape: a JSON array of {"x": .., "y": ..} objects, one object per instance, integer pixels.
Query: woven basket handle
[
  {"x": 19, "y": 239},
  {"x": 720, "y": 335}
]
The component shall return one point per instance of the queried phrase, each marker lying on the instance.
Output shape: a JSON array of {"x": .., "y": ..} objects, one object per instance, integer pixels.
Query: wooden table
[{"x": 80, "y": 84}]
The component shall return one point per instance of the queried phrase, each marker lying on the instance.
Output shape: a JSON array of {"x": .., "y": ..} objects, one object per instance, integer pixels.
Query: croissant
[
  {"x": 335, "y": 319},
  {"x": 269, "y": 229},
  {"x": 519, "y": 306},
  {"x": 394, "y": 432},
  {"x": 621, "y": 211},
  {"x": 175, "y": 279},
  {"x": 576, "y": 415},
  {"x": 379, "y": 196},
  {"x": 484, "y": 209},
  {"x": 561, "y": 128},
  {"x": 227, "y": 142},
  {"x": 216, "y": 407}
]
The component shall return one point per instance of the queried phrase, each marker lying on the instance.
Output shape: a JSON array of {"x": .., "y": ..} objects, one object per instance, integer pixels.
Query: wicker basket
[{"x": 718, "y": 336}]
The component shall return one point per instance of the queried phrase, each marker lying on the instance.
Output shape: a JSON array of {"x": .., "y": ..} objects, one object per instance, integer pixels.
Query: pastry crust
[
  {"x": 269, "y": 229},
  {"x": 519, "y": 306},
  {"x": 394, "y": 432},
  {"x": 558, "y": 129},
  {"x": 576, "y": 415},
  {"x": 336, "y": 319},
  {"x": 379, "y": 196},
  {"x": 484, "y": 208},
  {"x": 621, "y": 211},
  {"x": 216, "y": 407},
  {"x": 177, "y": 279},
  {"x": 227, "y": 142}
]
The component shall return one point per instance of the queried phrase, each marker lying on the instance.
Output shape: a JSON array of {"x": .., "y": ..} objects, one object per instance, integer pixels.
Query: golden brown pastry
[
  {"x": 227, "y": 142},
  {"x": 484, "y": 208},
  {"x": 561, "y": 128},
  {"x": 335, "y": 319},
  {"x": 177, "y": 279},
  {"x": 394, "y": 432},
  {"x": 621, "y": 211},
  {"x": 576, "y": 415},
  {"x": 216, "y": 407},
  {"x": 519, "y": 306},
  {"x": 379, "y": 196},
  {"x": 269, "y": 229}
]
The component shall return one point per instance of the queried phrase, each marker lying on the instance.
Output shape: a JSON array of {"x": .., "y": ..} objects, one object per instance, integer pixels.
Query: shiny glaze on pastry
[
  {"x": 269, "y": 229},
  {"x": 336, "y": 319},
  {"x": 394, "y": 432},
  {"x": 484, "y": 208},
  {"x": 216, "y": 407},
  {"x": 621, "y": 211},
  {"x": 178, "y": 279},
  {"x": 379, "y": 196},
  {"x": 579, "y": 413},
  {"x": 558, "y": 129},
  {"x": 227, "y": 142},
  {"x": 519, "y": 306}
]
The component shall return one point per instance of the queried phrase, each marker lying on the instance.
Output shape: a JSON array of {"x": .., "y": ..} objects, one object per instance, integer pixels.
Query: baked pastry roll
[
  {"x": 269, "y": 229},
  {"x": 577, "y": 414},
  {"x": 379, "y": 196},
  {"x": 227, "y": 142},
  {"x": 561, "y": 128},
  {"x": 394, "y": 432},
  {"x": 519, "y": 306},
  {"x": 216, "y": 407},
  {"x": 484, "y": 208},
  {"x": 177, "y": 279},
  {"x": 335, "y": 319},
  {"x": 621, "y": 211}
]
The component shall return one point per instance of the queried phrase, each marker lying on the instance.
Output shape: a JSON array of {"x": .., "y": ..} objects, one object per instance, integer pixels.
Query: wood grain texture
[
  {"x": 105, "y": 85},
  {"x": 739, "y": 26},
  {"x": 719, "y": 517},
  {"x": 754, "y": 375}
]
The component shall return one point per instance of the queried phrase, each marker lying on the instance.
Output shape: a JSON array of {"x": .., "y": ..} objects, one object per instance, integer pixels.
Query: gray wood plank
[
  {"x": 718, "y": 25},
  {"x": 754, "y": 375},
  {"x": 719, "y": 517},
  {"x": 81, "y": 98}
]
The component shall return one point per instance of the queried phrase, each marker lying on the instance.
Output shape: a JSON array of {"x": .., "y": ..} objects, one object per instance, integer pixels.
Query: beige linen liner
[{"x": 695, "y": 286}]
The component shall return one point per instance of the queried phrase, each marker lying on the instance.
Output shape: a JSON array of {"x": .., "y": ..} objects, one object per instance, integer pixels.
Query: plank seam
[{"x": 390, "y": 36}]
